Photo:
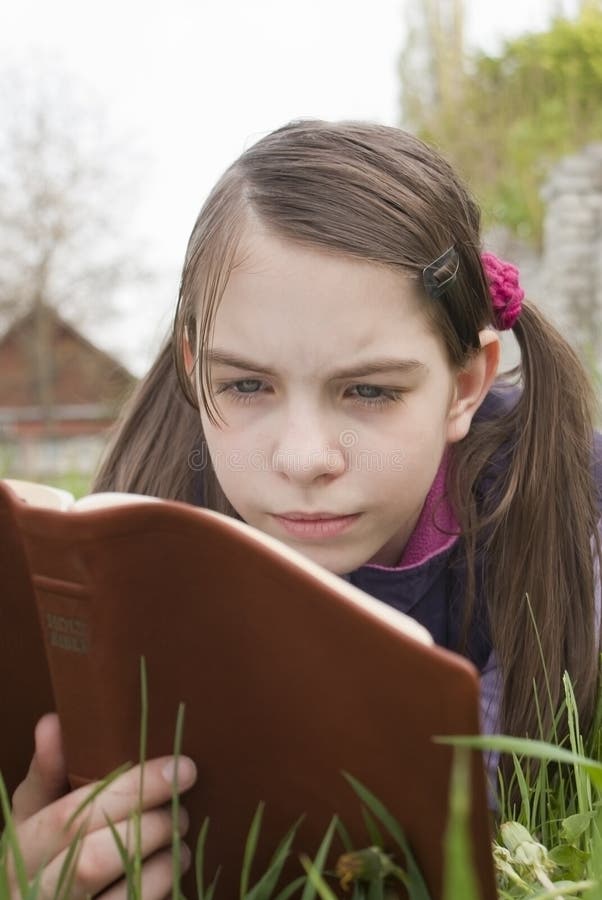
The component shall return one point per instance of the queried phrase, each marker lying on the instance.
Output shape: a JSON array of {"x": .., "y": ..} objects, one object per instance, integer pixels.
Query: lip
[
  {"x": 310, "y": 517},
  {"x": 319, "y": 526}
]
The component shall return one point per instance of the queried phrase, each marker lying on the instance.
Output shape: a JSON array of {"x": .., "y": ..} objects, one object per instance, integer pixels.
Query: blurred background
[{"x": 117, "y": 119}]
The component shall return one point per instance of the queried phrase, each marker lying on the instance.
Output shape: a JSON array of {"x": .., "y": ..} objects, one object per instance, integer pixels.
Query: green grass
[{"x": 548, "y": 841}]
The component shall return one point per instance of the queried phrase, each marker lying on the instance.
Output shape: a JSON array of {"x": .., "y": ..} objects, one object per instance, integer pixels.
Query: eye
[
  {"x": 242, "y": 391},
  {"x": 368, "y": 391},
  {"x": 373, "y": 395},
  {"x": 248, "y": 390},
  {"x": 247, "y": 385}
]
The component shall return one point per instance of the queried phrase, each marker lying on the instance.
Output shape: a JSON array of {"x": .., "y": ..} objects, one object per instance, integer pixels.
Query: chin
[{"x": 337, "y": 563}]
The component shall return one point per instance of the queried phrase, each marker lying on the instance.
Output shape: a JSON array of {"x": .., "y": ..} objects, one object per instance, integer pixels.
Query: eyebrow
[{"x": 370, "y": 367}]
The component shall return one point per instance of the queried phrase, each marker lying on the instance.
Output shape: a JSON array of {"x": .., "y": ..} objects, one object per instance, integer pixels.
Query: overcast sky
[{"x": 196, "y": 82}]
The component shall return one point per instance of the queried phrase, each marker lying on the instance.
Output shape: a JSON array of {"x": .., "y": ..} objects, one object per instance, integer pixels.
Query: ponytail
[{"x": 534, "y": 531}]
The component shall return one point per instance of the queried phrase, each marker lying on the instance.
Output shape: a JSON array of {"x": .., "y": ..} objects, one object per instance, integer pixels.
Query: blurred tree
[
  {"x": 432, "y": 62},
  {"x": 63, "y": 192},
  {"x": 513, "y": 115}
]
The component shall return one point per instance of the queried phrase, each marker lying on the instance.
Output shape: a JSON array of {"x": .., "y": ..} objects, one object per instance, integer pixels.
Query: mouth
[
  {"x": 310, "y": 517},
  {"x": 316, "y": 525}
]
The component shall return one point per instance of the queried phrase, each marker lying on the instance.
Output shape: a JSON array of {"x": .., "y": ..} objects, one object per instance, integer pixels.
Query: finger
[
  {"x": 46, "y": 779},
  {"x": 49, "y": 831},
  {"x": 99, "y": 861},
  {"x": 157, "y": 877}
]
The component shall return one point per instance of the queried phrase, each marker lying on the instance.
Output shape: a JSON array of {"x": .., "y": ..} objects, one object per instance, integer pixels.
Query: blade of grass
[
  {"x": 199, "y": 858},
  {"x": 527, "y": 747},
  {"x": 416, "y": 886},
  {"x": 175, "y": 806},
  {"x": 562, "y": 891},
  {"x": 372, "y": 829},
  {"x": 137, "y": 866},
  {"x": 213, "y": 885},
  {"x": 199, "y": 864},
  {"x": 4, "y": 886},
  {"x": 344, "y": 836},
  {"x": 34, "y": 891},
  {"x": 67, "y": 872},
  {"x": 594, "y": 863},
  {"x": 542, "y": 781},
  {"x": 100, "y": 787},
  {"x": 309, "y": 891},
  {"x": 315, "y": 881},
  {"x": 264, "y": 888},
  {"x": 459, "y": 876},
  {"x": 593, "y": 739},
  {"x": 375, "y": 889},
  {"x": 524, "y": 792},
  {"x": 544, "y": 667},
  {"x": 284, "y": 845},
  {"x": 250, "y": 848},
  {"x": 291, "y": 888},
  {"x": 576, "y": 742},
  {"x": 127, "y": 863},
  {"x": 11, "y": 841}
]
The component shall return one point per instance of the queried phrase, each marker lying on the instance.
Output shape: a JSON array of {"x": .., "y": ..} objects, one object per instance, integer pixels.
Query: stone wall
[
  {"x": 565, "y": 281},
  {"x": 572, "y": 257}
]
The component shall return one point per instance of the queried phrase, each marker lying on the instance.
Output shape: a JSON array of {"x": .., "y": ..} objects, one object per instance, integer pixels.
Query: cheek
[
  {"x": 421, "y": 430},
  {"x": 413, "y": 459},
  {"x": 217, "y": 443},
  {"x": 232, "y": 456}
]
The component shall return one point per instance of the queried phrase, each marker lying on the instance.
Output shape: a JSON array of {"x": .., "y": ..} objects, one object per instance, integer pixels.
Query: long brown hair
[{"x": 377, "y": 193}]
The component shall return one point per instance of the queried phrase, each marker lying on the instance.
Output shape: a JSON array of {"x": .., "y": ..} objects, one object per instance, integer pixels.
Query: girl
[{"x": 331, "y": 380}]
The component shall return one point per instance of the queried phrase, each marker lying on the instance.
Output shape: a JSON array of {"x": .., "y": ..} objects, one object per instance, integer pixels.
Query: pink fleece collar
[{"x": 436, "y": 529}]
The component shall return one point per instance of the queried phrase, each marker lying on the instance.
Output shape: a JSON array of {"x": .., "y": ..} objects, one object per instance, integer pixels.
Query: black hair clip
[{"x": 439, "y": 275}]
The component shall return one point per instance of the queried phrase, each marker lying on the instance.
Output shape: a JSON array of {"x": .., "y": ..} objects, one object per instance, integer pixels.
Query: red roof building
[{"x": 59, "y": 394}]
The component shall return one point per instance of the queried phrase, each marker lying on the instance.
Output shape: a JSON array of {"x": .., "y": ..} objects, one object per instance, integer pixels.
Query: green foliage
[
  {"x": 518, "y": 113},
  {"x": 548, "y": 842},
  {"x": 460, "y": 880}
]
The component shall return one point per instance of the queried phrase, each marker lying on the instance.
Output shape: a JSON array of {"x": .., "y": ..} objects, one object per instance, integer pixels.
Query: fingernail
[{"x": 186, "y": 772}]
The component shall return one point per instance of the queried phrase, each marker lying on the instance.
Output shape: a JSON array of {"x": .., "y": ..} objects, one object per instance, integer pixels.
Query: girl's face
[{"x": 338, "y": 398}]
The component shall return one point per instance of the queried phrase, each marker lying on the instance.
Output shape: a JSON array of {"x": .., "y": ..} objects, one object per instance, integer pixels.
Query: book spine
[{"x": 63, "y": 610}]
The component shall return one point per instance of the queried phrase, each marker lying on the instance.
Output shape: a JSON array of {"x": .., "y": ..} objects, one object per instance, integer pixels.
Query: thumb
[{"x": 46, "y": 779}]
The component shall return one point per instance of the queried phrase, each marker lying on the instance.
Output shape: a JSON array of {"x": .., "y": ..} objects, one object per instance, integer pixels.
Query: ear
[{"x": 471, "y": 385}]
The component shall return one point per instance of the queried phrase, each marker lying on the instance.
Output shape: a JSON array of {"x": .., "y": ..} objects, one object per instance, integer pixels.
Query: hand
[{"x": 42, "y": 807}]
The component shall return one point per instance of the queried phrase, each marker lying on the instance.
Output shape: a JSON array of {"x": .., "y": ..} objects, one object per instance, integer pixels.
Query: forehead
[{"x": 296, "y": 305}]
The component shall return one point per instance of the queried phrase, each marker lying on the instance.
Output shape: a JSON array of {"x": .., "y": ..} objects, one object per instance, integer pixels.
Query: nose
[{"x": 307, "y": 449}]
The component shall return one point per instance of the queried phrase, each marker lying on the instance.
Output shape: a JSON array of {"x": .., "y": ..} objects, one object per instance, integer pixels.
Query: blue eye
[
  {"x": 383, "y": 397},
  {"x": 368, "y": 395},
  {"x": 368, "y": 387},
  {"x": 245, "y": 385},
  {"x": 239, "y": 390}
]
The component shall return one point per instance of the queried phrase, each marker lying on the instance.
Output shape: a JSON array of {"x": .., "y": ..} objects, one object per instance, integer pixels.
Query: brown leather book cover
[
  {"x": 289, "y": 676},
  {"x": 25, "y": 689}
]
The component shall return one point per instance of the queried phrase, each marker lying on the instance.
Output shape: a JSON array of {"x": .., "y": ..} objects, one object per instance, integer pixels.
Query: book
[{"x": 289, "y": 675}]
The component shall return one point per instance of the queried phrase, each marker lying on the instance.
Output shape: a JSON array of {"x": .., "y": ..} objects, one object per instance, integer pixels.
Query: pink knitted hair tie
[{"x": 506, "y": 293}]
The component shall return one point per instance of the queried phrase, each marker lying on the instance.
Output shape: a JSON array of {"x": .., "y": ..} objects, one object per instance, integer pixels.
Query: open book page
[
  {"x": 54, "y": 498},
  {"x": 40, "y": 494},
  {"x": 111, "y": 498},
  {"x": 47, "y": 497}
]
